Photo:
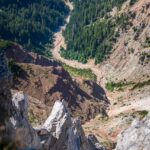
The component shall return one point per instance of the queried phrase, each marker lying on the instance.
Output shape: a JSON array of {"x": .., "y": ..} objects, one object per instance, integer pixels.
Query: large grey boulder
[{"x": 137, "y": 137}]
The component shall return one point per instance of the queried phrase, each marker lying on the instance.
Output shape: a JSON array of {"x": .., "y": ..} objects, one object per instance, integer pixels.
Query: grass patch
[
  {"x": 147, "y": 42},
  {"x": 83, "y": 73},
  {"x": 109, "y": 144},
  {"x": 140, "y": 114},
  {"x": 5, "y": 44},
  {"x": 111, "y": 86},
  {"x": 141, "y": 84},
  {"x": 32, "y": 118}
]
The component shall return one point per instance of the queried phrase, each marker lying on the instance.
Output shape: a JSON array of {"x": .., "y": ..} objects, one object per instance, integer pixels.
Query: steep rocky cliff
[{"x": 59, "y": 131}]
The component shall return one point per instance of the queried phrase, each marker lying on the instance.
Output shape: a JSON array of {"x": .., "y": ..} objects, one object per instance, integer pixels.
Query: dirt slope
[{"x": 46, "y": 81}]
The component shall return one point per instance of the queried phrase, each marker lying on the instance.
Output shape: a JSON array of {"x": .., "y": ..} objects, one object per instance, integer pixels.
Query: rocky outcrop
[
  {"x": 67, "y": 133},
  {"x": 59, "y": 131},
  {"x": 137, "y": 137}
]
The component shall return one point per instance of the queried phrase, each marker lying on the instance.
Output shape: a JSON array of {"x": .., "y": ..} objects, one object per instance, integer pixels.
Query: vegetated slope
[
  {"x": 31, "y": 23},
  {"x": 47, "y": 83},
  {"x": 126, "y": 73},
  {"x": 92, "y": 32}
]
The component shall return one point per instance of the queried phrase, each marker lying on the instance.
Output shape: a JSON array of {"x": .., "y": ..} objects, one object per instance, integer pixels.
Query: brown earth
[{"x": 46, "y": 81}]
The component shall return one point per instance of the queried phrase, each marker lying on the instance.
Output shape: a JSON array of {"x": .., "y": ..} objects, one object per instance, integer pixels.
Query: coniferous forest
[
  {"x": 91, "y": 32},
  {"x": 31, "y": 23}
]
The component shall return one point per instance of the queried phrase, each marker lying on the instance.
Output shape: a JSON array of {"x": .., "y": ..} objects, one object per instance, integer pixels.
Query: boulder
[
  {"x": 67, "y": 132},
  {"x": 136, "y": 137}
]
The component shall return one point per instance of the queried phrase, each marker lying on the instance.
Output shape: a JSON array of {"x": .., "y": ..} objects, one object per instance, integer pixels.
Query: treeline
[
  {"x": 91, "y": 32},
  {"x": 31, "y": 22}
]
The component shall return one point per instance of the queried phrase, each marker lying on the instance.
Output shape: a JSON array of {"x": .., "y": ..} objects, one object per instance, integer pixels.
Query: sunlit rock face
[
  {"x": 137, "y": 137},
  {"x": 67, "y": 132}
]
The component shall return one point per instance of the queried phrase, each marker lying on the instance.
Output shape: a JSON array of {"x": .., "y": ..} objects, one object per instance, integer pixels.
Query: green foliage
[
  {"x": 147, "y": 42},
  {"x": 109, "y": 144},
  {"x": 132, "y": 2},
  {"x": 91, "y": 32},
  {"x": 131, "y": 50},
  {"x": 111, "y": 86},
  {"x": 31, "y": 23},
  {"x": 141, "y": 84},
  {"x": 83, "y": 73},
  {"x": 5, "y": 44},
  {"x": 144, "y": 58},
  {"x": 140, "y": 114},
  {"x": 15, "y": 69},
  {"x": 32, "y": 118}
]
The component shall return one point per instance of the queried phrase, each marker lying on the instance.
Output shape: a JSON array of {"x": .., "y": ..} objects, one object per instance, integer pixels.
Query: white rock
[
  {"x": 24, "y": 133},
  {"x": 67, "y": 133},
  {"x": 137, "y": 137}
]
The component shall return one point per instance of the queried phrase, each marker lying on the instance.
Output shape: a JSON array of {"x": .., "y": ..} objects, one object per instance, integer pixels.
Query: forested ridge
[
  {"x": 31, "y": 22},
  {"x": 91, "y": 32}
]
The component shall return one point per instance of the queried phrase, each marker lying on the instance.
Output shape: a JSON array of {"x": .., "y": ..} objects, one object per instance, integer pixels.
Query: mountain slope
[{"x": 46, "y": 81}]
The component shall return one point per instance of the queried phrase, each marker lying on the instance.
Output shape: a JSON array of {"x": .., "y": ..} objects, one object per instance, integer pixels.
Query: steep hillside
[
  {"x": 59, "y": 131},
  {"x": 92, "y": 32},
  {"x": 46, "y": 81},
  {"x": 125, "y": 74}
]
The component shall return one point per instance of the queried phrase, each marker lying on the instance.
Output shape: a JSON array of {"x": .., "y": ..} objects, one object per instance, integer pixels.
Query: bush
[
  {"x": 4, "y": 44},
  {"x": 83, "y": 73}
]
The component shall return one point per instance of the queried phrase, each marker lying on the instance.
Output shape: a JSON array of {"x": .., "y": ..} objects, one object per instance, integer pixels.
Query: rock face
[
  {"x": 137, "y": 137},
  {"x": 24, "y": 133},
  {"x": 67, "y": 132},
  {"x": 13, "y": 111},
  {"x": 59, "y": 131}
]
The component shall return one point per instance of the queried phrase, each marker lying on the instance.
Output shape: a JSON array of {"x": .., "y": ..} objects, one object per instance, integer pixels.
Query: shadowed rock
[{"x": 5, "y": 95}]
